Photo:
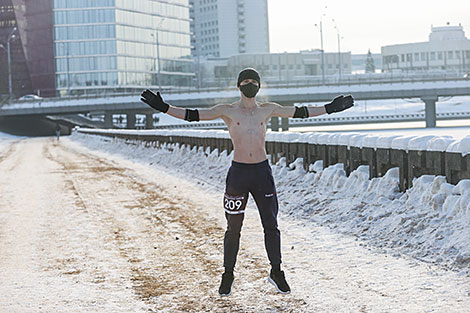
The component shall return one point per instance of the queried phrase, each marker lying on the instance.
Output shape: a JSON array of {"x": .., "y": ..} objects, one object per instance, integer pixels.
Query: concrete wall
[
  {"x": 32, "y": 126},
  {"x": 411, "y": 164}
]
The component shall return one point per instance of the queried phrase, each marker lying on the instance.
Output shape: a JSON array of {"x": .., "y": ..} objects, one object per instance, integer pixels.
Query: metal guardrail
[{"x": 316, "y": 121}]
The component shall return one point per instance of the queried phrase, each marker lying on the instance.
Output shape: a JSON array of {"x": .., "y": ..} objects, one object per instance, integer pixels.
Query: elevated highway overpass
[{"x": 427, "y": 91}]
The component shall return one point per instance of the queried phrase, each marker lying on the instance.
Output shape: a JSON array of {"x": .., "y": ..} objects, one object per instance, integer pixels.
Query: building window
[
  {"x": 457, "y": 55},
  {"x": 433, "y": 56},
  {"x": 439, "y": 55},
  {"x": 451, "y": 55},
  {"x": 423, "y": 56},
  {"x": 416, "y": 56}
]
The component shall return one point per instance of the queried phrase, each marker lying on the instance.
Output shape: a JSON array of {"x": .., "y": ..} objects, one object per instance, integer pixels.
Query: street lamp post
[
  {"x": 11, "y": 36},
  {"x": 339, "y": 48},
  {"x": 158, "y": 61},
  {"x": 158, "y": 54},
  {"x": 322, "y": 51},
  {"x": 66, "y": 51},
  {"x": 67, "y": 46},
  {"x": 68, "y": 70},
  {"x": 322, "y": 54}
]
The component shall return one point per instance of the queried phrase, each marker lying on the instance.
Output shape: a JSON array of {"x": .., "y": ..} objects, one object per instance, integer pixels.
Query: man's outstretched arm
[
  {"x": 338, "y": 104},
  {"x": 155, "y": 100}
]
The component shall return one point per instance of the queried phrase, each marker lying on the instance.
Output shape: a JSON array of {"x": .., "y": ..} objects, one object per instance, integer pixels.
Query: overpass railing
[
  {"x": 413, "y": 155},
  {"x": 299, "y": 81}
]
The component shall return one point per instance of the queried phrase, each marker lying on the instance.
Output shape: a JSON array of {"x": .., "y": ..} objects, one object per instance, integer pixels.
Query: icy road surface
[{"x": 85, "y": 231}]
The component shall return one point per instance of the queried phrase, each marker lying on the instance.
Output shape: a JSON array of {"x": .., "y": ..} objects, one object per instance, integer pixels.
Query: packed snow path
[{"x": 83, "y": 231}]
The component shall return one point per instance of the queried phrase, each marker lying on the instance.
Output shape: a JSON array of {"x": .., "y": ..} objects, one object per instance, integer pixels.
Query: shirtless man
[{"x": 250, "y": 172}]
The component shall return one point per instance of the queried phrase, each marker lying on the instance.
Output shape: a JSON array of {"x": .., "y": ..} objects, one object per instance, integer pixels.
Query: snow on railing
[{"x": 413, "y": 155}]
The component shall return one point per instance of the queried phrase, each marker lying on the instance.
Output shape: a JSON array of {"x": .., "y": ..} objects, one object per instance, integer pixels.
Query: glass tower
[
  {"x": 222, "y": 28},
  {"x": 32, "y": 61},
  {"x": 121, "y": 45}
]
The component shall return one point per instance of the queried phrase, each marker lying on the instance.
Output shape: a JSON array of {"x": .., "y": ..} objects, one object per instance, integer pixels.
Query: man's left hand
[{"x": 339, "y": 104}]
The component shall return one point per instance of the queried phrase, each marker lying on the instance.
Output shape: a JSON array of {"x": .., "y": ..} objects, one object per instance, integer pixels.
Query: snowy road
[{"x": 85, "y": 231}]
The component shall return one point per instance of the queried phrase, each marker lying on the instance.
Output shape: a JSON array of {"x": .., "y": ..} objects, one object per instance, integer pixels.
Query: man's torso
[{"x": 247, "y": 128}]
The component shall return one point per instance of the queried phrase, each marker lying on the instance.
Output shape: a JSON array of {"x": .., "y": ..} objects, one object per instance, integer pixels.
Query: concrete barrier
[{"x": 411, "y": 164}]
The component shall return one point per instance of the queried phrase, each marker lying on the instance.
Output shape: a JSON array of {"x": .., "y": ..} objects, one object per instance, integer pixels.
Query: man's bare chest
[{"x": 248, "y": 126}]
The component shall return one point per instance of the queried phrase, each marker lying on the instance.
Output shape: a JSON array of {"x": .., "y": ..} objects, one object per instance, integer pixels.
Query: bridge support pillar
[
  {"x": 430, "y": 111},
  {"x": 148, "y": 121},
  {"x": 130, "y": 121},
  {"x": 275, "y": 124},
  {"x": 284, "y": 124},
  {"x": 108, "y": 120}
]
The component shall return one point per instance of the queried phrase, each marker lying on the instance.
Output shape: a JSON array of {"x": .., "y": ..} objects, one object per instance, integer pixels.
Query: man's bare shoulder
[
  {"x": 269, "y": 105},
  {"x": 224, "y": 106}
]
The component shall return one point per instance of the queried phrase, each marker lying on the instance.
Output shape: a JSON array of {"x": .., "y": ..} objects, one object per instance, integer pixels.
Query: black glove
[
  {"x": 154, "y": 100},
  {"x": 340, "y": 103}
]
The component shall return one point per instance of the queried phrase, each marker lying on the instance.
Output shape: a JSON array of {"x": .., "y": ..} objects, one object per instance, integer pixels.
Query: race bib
[{"x": 234, "y": 204}]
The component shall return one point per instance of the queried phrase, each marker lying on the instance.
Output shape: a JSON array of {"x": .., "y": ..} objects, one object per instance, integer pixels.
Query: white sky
[{"x": 363, "y": 24}]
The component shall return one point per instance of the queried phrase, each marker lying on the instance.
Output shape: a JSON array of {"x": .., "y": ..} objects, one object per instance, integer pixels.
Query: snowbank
[
  {"x": 5, "y": 138},
  {"x": 429, "y": 221},
  {"x": 400, "y": 142}
]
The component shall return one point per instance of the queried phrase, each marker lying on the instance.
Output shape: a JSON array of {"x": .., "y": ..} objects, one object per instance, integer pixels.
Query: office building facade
[
  {"x": 222, "y": 28},
  {"x": 446, "y": 50},
  {"x": 275, "y": 68},
  {"x": 95, "y": 46},
  {"x": 122, "y": 45}
]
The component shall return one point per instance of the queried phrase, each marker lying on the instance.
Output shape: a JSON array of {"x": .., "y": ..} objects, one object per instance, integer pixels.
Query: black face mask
[{"x": 249, "y": 90}]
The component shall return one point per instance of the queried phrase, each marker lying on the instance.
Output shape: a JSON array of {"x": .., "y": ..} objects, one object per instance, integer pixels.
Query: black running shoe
[
  {"x": 278, "y": 279},
  {"x": 226, "y": 284}
]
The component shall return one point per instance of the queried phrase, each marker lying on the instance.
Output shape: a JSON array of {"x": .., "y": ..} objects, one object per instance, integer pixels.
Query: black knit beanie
[{"x": 248, "y": 73}]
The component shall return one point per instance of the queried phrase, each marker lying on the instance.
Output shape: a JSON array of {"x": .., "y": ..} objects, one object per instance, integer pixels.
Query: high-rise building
[
  {"x": 95, "y": 46},
  {"x": 31, "y": 49},
  {"x": 222, "y": 28},
  {"x": 447, "y": 50}
]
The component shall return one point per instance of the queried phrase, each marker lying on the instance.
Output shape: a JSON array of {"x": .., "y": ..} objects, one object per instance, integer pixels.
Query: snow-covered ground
[
  {"x": 455, "y": 128},
  {"x": 429, "y": 222},
  {"x": 7, "y": 136},
  {"x": 5, "y": 139},
  {"x": 400, "y": 106},
  {"x": 85, "y": 230}
]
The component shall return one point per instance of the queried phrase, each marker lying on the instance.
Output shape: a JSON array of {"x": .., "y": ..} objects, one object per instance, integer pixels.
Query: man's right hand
[{"x": 154, "y": 100}]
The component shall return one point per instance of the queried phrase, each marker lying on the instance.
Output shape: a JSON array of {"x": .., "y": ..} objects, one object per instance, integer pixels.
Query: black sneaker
[
  {"x": 226, "y": 284},
  {"x": 278, "y": 279}
]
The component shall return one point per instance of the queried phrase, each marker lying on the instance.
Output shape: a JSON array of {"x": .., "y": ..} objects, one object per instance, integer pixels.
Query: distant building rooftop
[{"x": 447, "y": 33}]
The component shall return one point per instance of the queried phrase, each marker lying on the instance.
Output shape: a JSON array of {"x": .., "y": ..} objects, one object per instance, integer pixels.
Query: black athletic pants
[{"x": 256, "y": 179}]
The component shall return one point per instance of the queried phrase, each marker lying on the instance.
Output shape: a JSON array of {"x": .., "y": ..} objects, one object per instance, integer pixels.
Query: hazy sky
[{"x": 362, "y": 24}]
